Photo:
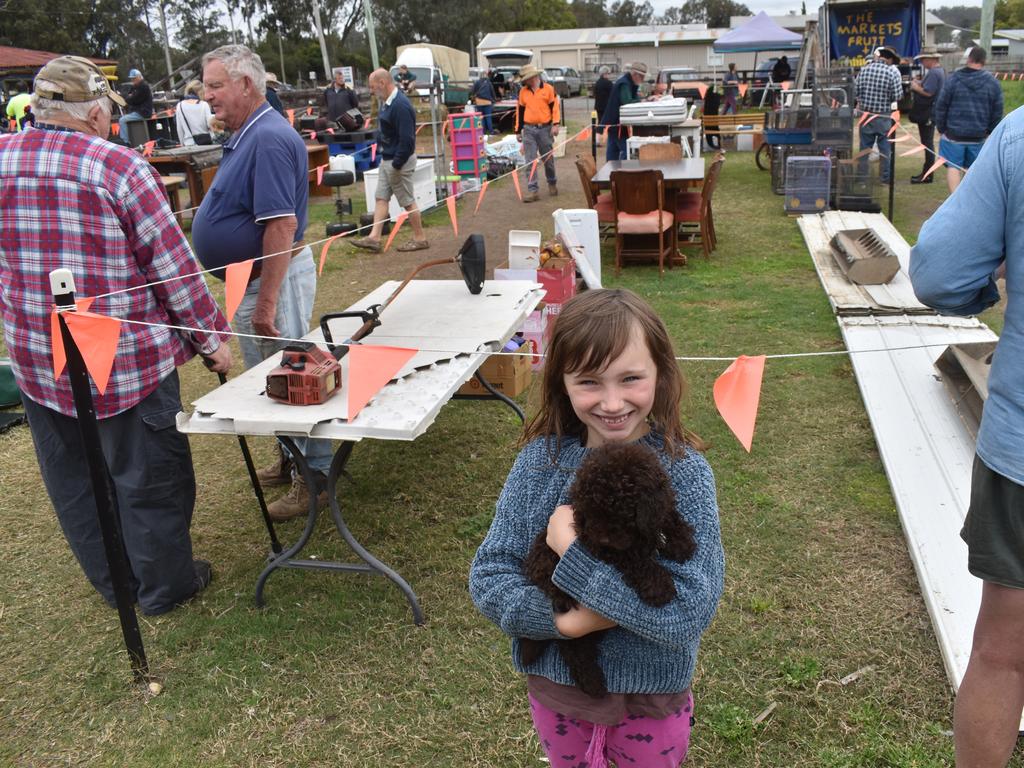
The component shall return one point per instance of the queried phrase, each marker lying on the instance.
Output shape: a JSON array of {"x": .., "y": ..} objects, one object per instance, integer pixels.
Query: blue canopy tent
[{"x": 758, "y": 34}]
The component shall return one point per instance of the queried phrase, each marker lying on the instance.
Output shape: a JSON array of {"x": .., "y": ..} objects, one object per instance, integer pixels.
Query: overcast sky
[{"x": 779, "y": 7}]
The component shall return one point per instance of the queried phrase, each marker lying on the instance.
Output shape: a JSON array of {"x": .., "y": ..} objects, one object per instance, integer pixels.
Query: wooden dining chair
[
  {"x": 596, "y": 200},
  {"x": 644, "y": 229},
  {"x": 693, "y": 210},
  {"x": 662, "y": 151}
]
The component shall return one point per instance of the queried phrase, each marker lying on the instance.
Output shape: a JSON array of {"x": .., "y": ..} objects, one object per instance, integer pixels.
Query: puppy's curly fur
[{"x": 624, "y": 510}]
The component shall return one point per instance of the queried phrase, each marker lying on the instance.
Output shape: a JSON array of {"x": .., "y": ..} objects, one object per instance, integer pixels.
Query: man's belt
[{"x": 539, "y": 125}]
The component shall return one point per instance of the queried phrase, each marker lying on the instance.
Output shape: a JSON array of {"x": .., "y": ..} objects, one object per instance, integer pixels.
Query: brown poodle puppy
[{"x": 624, "y": 511}]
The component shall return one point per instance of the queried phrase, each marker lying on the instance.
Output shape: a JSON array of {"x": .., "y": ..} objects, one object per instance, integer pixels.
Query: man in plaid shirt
[
  {"x": 879, "y": 86},
  {"x": 69, "y": 198}
]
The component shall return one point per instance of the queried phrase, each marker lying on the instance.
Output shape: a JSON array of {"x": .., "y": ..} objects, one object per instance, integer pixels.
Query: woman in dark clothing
[{"x": 602, "y": 90}]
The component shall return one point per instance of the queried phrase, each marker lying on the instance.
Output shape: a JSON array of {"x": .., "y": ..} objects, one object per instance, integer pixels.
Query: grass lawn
[{"x": 819, "y": 584}]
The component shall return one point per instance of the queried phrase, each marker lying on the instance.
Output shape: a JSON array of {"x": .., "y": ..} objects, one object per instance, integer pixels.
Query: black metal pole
[
  {"x": 275, "y": 545},
  {"x": 892, "y": 171},
  {"x": 593, "y": 134},
  {"x": 63, "y": 288}
]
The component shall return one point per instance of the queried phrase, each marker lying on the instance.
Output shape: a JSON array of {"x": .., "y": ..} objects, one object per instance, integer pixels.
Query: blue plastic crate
[
  {"x": 777, "y": 136},
  {"x": 362, "y": 152}
]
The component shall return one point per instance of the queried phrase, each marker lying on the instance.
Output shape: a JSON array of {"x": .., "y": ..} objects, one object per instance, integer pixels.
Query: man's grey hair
[
  {"x": 606, "y": 70},
  {"x": 338, "y": 71},
  {"x": 49, "y": 109},
  {"x": 240, "y": 62}
]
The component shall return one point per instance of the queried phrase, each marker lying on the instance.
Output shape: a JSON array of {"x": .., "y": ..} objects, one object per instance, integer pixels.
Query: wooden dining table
[{"x": 679, "y": 176}]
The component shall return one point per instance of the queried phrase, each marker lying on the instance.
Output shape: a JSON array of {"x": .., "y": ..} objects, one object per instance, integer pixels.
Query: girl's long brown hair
[{"x": 592, "y": 330}]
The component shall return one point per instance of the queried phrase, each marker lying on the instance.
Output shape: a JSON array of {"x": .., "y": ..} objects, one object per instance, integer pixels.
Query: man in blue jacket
[
  {"x": 396, "y": 143},
  {"x": 959, "y": 278},
  {"x": 625, "y": 91},
  {"x": 969, "y": 107}
]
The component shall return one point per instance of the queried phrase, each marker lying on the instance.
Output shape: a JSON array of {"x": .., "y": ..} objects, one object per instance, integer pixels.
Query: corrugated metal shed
[
  {"x": 19, "y": 60},
  {"x": 925, "y": 446}
]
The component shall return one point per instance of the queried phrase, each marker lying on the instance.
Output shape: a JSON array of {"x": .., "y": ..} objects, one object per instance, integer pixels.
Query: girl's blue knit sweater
[{"x": 653, "y": 650}]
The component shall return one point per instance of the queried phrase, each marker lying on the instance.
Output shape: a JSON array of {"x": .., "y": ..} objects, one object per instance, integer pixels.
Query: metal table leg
[{"x": 370, "y": 564}]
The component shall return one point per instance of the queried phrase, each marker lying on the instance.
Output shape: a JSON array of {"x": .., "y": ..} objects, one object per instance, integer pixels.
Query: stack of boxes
[
  {"x": 469, "y": 156},
  {"x": 510, "y": 374}
]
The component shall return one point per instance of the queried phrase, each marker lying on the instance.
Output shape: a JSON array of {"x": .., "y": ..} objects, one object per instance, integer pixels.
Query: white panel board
[
  {"x": 454, "y": 329},
  {"x": 928, "y": 455}
]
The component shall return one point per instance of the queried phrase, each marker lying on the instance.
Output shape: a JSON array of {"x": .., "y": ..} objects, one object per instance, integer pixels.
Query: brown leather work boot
[
  {"x": 531, "y": 197},
  {"x": 295, "y": 503},
  {"x": 278, "y": 473},
  {"x": 553, "y": 190}
]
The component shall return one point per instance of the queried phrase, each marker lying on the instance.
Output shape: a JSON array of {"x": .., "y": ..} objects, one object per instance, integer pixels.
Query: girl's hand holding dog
[
  {"x": 561, "y": 530},
  {"x": 581, "y": 621}
]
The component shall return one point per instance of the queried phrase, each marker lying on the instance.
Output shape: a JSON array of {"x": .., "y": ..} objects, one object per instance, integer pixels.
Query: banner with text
[{"x": 855, "y": 32}]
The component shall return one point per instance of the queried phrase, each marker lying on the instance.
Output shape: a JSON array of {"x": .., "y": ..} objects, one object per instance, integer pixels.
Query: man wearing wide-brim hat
[
  {"x": 926, "y": 90},
  {"x": 626, "y": 90},
  {"x": 538, "y": 119}
]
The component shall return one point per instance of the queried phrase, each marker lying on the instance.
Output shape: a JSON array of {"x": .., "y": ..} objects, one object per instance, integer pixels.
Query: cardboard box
[
  {"x": 509, "y": 374},
  {"x": 558, "y": 276}
]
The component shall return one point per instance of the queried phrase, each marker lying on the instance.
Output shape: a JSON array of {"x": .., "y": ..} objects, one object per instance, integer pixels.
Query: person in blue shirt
[
  {"x": 256, "y": 209},
  {"x": 625, "y": 90},
  {"x": 969, "y": 107},
  {"x": 610, "y": 377},
  {"x": 959, "y": 277}
]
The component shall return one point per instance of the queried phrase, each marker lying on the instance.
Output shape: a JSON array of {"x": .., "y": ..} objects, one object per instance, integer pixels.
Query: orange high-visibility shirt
[{"x": 539, "y": 107}]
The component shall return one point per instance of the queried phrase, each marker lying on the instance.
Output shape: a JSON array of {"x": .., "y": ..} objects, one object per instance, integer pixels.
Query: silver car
[{"x": 566, "y": 81}]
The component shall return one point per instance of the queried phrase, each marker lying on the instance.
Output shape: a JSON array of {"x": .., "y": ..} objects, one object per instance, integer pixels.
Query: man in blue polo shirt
[{"x": 256, "y": 208}]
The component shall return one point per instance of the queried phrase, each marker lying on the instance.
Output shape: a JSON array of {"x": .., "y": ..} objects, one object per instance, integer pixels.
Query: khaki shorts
[
  {"x": 396, "y": 182},
  {"x": 994, "y": 528}
]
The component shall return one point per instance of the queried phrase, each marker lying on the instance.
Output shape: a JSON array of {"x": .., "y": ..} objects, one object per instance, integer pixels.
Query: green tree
[
  {"x": 626, "y": 13},
  {"x": 589, "y": 13},
  {"x": 714, "y": 13},
  {"x": 1009, "y": 14}
]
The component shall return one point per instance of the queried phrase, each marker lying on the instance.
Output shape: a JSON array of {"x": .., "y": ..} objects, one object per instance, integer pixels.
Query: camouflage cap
[{"x": 73, "y": 79}]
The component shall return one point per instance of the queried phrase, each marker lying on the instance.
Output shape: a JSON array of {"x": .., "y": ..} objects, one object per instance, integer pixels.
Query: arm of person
[
  {"x": 406, "y": 128},
  {"x": 698, "y": 581},
  {"x": 278, "y": 238},
  {"x": 948, "y": 276},
  {"x": 520, "y": 115},
  {"x": 497, "y": 583},
  {"x": 165, "y": 261}
]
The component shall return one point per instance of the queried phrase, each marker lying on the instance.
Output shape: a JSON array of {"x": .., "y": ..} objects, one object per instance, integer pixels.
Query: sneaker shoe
[
  {"x": 295, "y": 503},
  {"x": 367, "y": 244},
  {"x": 278, "y": 473},
  {"x": 414, "y": 245},
  {"x": 553, "y": 190},
  {"x": 531, "y": 197},
  {"x": 920, "y": 180}
]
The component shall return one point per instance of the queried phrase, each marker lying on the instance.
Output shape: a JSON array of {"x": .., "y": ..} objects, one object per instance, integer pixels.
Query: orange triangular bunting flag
[
  {"x": 515, "y": 183},
  {"x": 702, "y": 89},
  {"x": 450, "y": 201},
  {"x": 904, "y": 137},
  {"x": 743, "y": 89},
  {"x": 115, "y": 128},
  {"x": 533, "y": 169},
  {"x": 236, "y": 280},
  {"x": 869, "y": 117},
  {"x": 480, "y": 197},
  {"x": 913, "y": 151},
  {"x": 584, "y": 135},
  {"x": 373, "y": 152},
  {"x": 939, "y": 162},
  {"x": 895, "y": 115},
  {"x": 369, "y": 370},
  {"x": 323, "y": 252},
  {"x": 96, "y": 337},
  {"x": 320, "y": 174},
  {"x": 57, "y": 341},
  {"x": 737, "y": 394},
  {"x": 147, "y": 148},
  {"x": 892, "y": 129},
  {"x": 394, "y": 230}
]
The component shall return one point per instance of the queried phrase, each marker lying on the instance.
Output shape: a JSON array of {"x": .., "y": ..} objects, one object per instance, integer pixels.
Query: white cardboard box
[{"x": 422, "y": 185}]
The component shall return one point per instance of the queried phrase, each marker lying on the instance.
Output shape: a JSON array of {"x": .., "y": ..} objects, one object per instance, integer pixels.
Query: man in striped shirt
[{"x": 69, "y": 198}]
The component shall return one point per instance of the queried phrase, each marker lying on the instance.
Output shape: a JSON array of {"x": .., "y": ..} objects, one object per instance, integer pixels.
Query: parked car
[
  {"x": 764, "y": 71},
  {"x": 668, "y": 76},
  {"x": 566, "y": 81}
]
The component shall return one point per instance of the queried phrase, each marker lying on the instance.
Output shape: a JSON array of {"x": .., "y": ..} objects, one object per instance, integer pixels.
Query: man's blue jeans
[
  {"x": 294, "y": 310},
  {"x": 123, "y": 125},
  {"x": 616, "y": 149},
  {"x": 873, "y": 132}
]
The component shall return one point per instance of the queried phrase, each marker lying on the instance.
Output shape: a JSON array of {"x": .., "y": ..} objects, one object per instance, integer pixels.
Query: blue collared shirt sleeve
[
  {"x": 959, "y": 248},
  {"x": 274, "y": 181}
]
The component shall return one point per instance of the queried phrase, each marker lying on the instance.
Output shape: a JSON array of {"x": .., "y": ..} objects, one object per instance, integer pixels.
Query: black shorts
[{"x": 994, "y": 528}]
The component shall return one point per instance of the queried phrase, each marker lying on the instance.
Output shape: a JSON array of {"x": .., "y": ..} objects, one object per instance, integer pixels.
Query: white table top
[{"x": 439, "y": 317}]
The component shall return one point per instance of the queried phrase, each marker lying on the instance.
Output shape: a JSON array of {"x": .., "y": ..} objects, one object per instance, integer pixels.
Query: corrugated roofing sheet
[{"x": 26, "y": 58}]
